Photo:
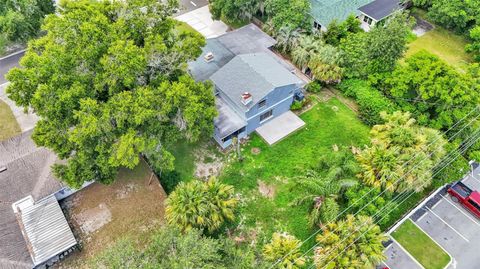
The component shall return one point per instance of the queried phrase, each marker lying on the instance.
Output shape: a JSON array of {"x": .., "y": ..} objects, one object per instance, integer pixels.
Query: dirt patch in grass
[
  {"x": 101, "y": 214},
  {"x": 8, "y": 124},
  {"x": 207, "y": 163},
  {"x": 266, "y": 190}
]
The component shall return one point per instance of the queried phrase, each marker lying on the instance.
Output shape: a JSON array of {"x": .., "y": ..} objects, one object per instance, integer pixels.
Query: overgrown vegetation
[{"x": 20, "y": 20}]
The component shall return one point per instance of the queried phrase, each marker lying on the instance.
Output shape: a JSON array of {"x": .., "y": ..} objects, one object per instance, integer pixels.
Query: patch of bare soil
[
  {"x": 100, "y": 214},
  {"x": 207, "y": 163},
  {"x": 266, "y": 190},
  {"x": 256, "y": 151}
]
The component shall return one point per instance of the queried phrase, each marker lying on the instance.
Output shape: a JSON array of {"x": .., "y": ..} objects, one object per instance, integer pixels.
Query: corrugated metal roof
[
  {"x": 46, "y": 230},
  {"x": 257, "y": 74},
  {"x": 325, "y": 11}
]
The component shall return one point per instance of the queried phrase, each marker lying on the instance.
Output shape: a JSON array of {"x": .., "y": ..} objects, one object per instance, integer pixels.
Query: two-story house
[{"x": 252, "y": 84}]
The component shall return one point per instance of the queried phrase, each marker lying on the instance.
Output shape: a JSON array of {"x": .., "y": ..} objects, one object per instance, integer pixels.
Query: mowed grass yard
[
  {"x": 447, "y": 45},
  {"x": 276, "y": 167},
  {"x": 8, "y": 124},
  {"x": 420, "y": 246}
]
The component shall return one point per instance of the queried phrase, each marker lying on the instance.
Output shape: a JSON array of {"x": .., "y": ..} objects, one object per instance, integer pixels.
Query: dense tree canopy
[
  {"x": 435, "y": 93},
  {"x": 458, "y": 15},
  {"x": 169, "y": 248},
  {"x": 353, "y": 243},
  {"x": 402, "y": 155},
  {"x": 474, "y": 47},
  {"x": 236, "y": 9},
  {"x": 293, "y": 14},
  {"x": 21, "y": 19},
  {"x": 202, "y": 205},
  {"x": 108, "y": 82},
  {"x": 376, "y": 51}
]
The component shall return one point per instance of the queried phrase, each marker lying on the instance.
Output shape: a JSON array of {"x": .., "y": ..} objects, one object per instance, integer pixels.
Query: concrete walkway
[
  {"x": 26, "y": 121},
  {"x": 201, "y": 20},
  {"x": 280, "y": 127}
]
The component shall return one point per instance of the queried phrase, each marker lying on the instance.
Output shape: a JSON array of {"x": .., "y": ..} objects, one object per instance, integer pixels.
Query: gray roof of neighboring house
[
  {"x": 28, "y": 173},
  {"x": 380, "y": 9},
  {"x": 248, "y": 39},
  {"x": 257, "y": 73},
  {"x": 325, "y": 11},
  {"x": 46, "y": 230},
  {"x": 227, "y": 121}
]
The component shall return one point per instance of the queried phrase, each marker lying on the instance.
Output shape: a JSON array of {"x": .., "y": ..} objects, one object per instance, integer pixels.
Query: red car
[{"x": 469, "y": 198}]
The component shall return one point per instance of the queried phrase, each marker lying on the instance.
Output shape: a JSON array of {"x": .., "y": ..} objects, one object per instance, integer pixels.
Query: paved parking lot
[
  {"x": 397, "y": 257},
  {"x": 453, "y": 227}
]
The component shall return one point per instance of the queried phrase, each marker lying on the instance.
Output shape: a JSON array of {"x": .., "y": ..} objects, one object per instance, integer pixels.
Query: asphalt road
[
  {"x": 7, "y": 63},
  {"x": 189, "y": 5}
]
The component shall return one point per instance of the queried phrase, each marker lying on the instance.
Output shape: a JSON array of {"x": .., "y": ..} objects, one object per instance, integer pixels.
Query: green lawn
[
  {"x": 326, "y": 124},
  {"x": 420, "y": 246},
  {"x": 8, "y": 125},
  {"x": 445, "y": 44}
]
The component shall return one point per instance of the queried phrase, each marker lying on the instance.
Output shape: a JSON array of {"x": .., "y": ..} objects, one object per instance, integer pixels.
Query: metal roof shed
[{"x": 45, "y": 229}]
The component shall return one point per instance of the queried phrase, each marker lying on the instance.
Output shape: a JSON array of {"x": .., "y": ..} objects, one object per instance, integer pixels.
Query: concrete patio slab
[
  {"x": 201, "y": 20},
  {"x": 278, "y": 128}
]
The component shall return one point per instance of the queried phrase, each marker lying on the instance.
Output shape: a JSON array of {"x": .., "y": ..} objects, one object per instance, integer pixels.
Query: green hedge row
[{"x": 370, "y": 101}]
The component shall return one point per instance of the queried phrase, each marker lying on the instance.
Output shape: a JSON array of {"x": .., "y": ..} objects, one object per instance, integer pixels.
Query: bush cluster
[{"x": 370, "y": 101}]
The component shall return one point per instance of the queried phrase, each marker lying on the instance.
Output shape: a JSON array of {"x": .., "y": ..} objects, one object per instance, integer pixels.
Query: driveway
[
  {"x": 26, "y": 120},
  {"x": 190, "y": 5},
  {"x": 7, "y": 63},
  {"x": 201, "y": 20}
]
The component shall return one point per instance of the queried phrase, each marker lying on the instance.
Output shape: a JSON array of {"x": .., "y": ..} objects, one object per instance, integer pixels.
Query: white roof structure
[{"x": 45, "y": 229}]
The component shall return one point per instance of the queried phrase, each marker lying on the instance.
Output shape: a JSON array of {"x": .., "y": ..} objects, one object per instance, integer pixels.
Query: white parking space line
[
  {"x": 474, "y": 177},
  {"x": 466, "y": 215},
  {"x": 406, "y": 252},
  {"x": 191, "y": 2},
  {"x": 446, "y": 223},
  {"x": 435, "y": 205}
]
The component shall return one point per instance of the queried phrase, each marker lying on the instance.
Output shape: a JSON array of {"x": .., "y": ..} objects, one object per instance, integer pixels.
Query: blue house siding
[{"x": 279, "y": 101}]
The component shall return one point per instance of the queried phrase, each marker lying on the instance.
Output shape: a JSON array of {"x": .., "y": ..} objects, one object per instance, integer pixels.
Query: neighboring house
[
  {"x": 33, "y": 228},
  {"x": 252, "y": 84},
  {"x": 368, "y": 11},
  {"x": 377, "y": 11}
]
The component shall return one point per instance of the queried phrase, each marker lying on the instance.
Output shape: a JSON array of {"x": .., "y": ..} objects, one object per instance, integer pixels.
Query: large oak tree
[{"x": 109, "y": 83}]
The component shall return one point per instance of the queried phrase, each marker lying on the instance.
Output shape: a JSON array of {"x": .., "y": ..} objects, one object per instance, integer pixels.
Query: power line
[
  {"x": 473, "y": 140},
  {"x": 391, "y": 202},
  {"x": 354, "y": 203}
]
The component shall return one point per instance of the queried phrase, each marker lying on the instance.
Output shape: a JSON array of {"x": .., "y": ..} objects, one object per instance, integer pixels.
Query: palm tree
[
  {"x": 355, "y": 242},
  {"x": 287, "y": 38},
  {"x": 307, "y": 47},
  {"x": 286, "y": 248},
  {"x": 322, "y": 186},
  {"x": 325, "y": 65},
  {"x": 202, "y": 205}
]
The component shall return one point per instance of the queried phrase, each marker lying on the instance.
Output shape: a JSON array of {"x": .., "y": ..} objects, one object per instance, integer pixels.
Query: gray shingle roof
[
  {"x": 257, "y": 73},
  {"x": 380, "y": 9},
  {"x": 28, "y": 173},
  {"x": 325, "y": 11},
  {"x": 248, "y": 39}
]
